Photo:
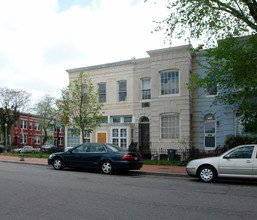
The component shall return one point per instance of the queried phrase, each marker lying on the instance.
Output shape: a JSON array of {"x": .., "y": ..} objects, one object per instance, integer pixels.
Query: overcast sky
[{"x": 40, "y": 39}]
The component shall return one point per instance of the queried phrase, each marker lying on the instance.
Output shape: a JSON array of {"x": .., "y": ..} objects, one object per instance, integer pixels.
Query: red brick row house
[{"x": 27, "y": 131}]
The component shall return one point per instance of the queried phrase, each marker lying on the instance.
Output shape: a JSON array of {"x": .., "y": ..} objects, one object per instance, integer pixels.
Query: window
[
  {"x": 169, "y": 82},
  {"x": 241, "y": 153},
  {"x": 81, "y": 149},
  {"x": 121, "y": 119},
  {"x": 170, "y": 126},
  {"x": 37, "y": 139},
  {"x": 16, "y": 124},
  {"x": 23, "y": 139},
  {"x": 145, "y": 89},
  {"x": 84, "y": 91},
  {"x": 60, "y": 140},
  {"x": 72, "y": 138},
  {"x": 119, "y": 137},
  {"x": 212, "y": 91},
  {"x": 30, "y": 125},
  {"x": 96, "y": 148},
  {"x": 60, "y": 130},
  {"x": 87, "y": 137},
  {"x": 23, "y": 124},
  {"x": 122, "y": 91},
  {"x": 102, "y": 92},
  {"x": 102, "y": 120},
  {"x": 37, "y": 126},
  {"x": 241, "y": 129}
]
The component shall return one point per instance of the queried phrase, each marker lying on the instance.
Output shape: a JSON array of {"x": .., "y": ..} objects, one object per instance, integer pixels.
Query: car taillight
[
  {"x": 130, "y": 157},
  {"x": 46, "y": 150}
]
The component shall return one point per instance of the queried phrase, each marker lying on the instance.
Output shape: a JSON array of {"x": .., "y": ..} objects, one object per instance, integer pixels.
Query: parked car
[
  {"x": 27, "y": 149},
  {"x": 48, "y": 148},
  {"x": 105, "y": 157},
  {"x": 239, "y": 162}
]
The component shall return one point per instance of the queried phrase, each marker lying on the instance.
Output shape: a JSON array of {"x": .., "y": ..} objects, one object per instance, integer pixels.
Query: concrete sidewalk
[{"x": 164, "y": 170}]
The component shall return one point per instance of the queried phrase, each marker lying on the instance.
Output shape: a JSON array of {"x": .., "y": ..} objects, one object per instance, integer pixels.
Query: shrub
[{"x": 233, "y": 141}]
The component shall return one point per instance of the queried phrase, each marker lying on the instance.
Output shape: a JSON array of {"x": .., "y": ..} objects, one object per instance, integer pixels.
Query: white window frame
[
  {"x": 169, "y": 85},
  {"x": 142, "y": 95},
  {"x": 37, "y": 139},
  {"x": 207, "y": 92},
  {"x": 121, "y": 118},
  {"x": 88, "y": 136},
  {"x": 24, "y": 124},
  {"x": 177, "y": 127},
  {"x": 23, "y": 138},
  {"x": 31, "y": 125},
  {"x": 119, "y": 92},
  {"x": 119, "y": 136},
  {"x": 37, "y": 126},
  {"x": 104, "y": 101},
  {"x": 74, "y": 140}
]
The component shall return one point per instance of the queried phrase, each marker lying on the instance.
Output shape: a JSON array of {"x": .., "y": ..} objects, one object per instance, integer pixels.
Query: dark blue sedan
[{"x": 104, "y": 157}]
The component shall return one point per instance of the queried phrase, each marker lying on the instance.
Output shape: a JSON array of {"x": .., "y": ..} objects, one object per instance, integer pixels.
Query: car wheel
[
  {"x": 107, "y": 167},
  {"x": 58, "y": 163},
  {"x": 207, "y": 174}
]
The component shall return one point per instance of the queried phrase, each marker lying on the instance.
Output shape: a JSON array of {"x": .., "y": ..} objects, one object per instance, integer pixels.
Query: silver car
[{"x": 238, "y": 162}]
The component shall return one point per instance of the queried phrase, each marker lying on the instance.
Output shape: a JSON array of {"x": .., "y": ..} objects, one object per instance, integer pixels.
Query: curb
[
  {"x": 23, "y": 162},
  {"x": 134, "y": 172}
]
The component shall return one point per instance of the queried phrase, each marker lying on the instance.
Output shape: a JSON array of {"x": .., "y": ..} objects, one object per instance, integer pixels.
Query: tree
[
  {"x": 46, "y": 109},
  {"x": 212, "y": 19},
  {"x": 230, "y": 25},
  {"x": 12, "y": 103},
  {"x": 79, "y": 105},
  {"x": 232, "y": 68}
]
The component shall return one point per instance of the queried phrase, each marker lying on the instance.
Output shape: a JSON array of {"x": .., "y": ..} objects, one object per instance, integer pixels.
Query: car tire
[
  {"x": 107, "y": 167},
  {"x": 207, "y": 174},
  {"x": 58, "y": 163}
]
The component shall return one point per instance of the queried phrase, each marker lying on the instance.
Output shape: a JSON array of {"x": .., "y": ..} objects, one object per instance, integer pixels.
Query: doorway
[
  {"x": 101, "y": 137},
  {"x": 144, "y": 137}
]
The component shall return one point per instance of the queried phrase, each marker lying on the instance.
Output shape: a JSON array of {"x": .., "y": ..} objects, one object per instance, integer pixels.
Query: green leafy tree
[
  {"x": 79, "y": 105},
  {"x": 231, "y": 64},
  {"x": 232, "y": 68},
  {"x": 12, "y": 103},
  {"x": 46, "y": 109},
  {"x": 211, "y": 19}
]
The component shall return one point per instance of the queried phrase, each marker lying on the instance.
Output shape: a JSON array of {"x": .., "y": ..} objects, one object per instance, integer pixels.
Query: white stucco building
[{"x": 146, "y": 101}]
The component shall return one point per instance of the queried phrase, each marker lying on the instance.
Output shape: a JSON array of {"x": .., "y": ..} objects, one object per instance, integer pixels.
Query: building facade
[
  {"x": 27, "y": 131},
  {"x": 211, "y": 123},
  {"x": 147, "y": 103}
]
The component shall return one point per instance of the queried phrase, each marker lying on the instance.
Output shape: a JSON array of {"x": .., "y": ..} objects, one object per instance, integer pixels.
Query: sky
[{"x": 41, "y": 39}]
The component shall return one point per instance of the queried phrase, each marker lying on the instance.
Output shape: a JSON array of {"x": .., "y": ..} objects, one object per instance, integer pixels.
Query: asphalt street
[{"x": 40, "y": 192}]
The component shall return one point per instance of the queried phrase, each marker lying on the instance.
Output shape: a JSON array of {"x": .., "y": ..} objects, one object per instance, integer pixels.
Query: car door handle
[{"x": 248, "y": 161}]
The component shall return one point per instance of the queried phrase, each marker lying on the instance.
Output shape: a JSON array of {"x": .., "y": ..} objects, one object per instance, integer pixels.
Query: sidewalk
[{"x": 164, "y": 170}]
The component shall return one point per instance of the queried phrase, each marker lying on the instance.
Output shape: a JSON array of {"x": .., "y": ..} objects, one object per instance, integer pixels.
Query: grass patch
[
  {"x": 27, "y": 155},
  {"x": 161, "y": 162}
]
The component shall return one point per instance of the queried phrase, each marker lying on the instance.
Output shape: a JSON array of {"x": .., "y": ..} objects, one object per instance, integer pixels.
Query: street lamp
[{"x": 5, "y": 125}]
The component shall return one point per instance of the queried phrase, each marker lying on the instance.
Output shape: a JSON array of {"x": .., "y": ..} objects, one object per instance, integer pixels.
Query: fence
[{"x": 179, "y": 154}]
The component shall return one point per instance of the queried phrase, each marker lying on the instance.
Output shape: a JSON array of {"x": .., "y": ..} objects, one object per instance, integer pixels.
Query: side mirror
[
  {"x": 226, "y": 157},
  {"x": 70, "y": 150}
]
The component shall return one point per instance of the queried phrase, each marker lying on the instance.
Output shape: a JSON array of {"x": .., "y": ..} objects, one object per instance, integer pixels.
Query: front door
[
  {"x": 144, "y": 137},
  {"x": 210, "y": 131},
  {"x": 101, "y": 137}
]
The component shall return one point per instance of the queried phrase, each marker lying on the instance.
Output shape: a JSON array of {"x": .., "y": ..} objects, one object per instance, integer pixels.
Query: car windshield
[{"x": 115, "y": 148}]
